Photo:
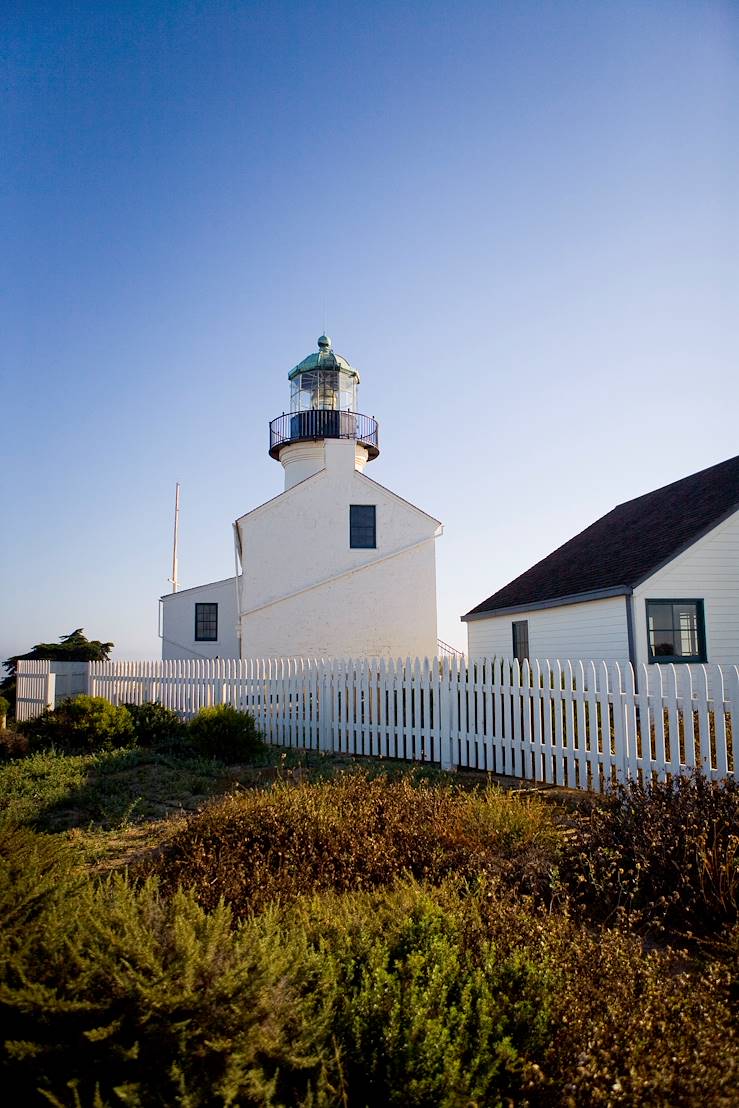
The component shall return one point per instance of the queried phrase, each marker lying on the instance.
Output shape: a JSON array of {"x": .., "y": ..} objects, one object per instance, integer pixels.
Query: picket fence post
[
  {"x": 326, "y": 708},
  {"x": 733, "y": 698},
  {"x": 445, "y": 715},
  {"x": 50, "y": 693}
]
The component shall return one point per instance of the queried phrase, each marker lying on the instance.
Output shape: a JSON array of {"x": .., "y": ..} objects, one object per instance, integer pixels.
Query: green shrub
[
  {"x": 665, "y": 858},
  {"x": 225, "y": 733},
  {"x": 82, "y": 724},
  {"x": 108, "y": 989},
  {"x": 256, "y": 848},
  {"x": 422, "y": 1017},
  {"x": 4, "y": 709},
  {"x": 155, "y": 725}
]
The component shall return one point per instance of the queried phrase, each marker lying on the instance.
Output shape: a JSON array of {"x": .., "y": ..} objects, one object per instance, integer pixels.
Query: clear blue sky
[{"x": 521, "y": 218}]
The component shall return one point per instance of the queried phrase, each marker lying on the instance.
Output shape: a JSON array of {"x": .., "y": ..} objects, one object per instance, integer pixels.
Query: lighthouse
[{"x": 334, "y": 566}]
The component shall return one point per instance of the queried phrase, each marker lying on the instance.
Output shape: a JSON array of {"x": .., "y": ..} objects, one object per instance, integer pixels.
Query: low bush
[
  {"x": 224, "y": 732},
  {"x": 665, "y": 858},
  {"x": 257, "y": 848},
  {"x": 55, "y": 792},
  {"x": 4, "y": 709},
  {"x": 107, "y": 988},
  {"x": 155, "y": 725},
  {"x": 420, "y": 1015},
  {"x": 82, "y": 724}
]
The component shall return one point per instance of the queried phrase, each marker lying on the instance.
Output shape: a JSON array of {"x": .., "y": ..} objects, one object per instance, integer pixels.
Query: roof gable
[
  {"x": 198, "y": 588},
  {"x": 285, "y": 494},
  {"x": 628, "y": 544},
  {"x": 398, "y": 499}
]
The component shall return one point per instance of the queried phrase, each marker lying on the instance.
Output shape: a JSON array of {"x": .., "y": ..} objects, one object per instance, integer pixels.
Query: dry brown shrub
[
  {"x": 628, "y": 1026},
  {"x": 354, "y": 833},
  {"x": 664, "y": 859},
  {"x": 12, "y": 744}
]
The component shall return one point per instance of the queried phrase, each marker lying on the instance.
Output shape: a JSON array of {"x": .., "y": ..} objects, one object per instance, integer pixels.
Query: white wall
[
  {"x": 178, "y": 622},
  {"x": 593, "y": 629},
  {"x": 380, "y": 611},
  {"x": 306, "y": 593},
  {"x": 709, "y": 571}
]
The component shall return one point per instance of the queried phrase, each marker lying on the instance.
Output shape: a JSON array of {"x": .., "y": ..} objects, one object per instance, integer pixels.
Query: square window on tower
[{"x": 362, "y": 526}]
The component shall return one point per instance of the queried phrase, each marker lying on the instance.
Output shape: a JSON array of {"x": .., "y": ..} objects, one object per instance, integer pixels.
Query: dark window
[
  {"x": 676, "y": 631},
  {"x": 206, "y": 623},
  {"x": 362, "y": 526},
  {"x": 521, "y": 639}
]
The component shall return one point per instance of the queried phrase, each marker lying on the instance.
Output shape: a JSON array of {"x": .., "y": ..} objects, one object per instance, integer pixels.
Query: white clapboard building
[
  {"x": 653, "y": 582},
  {"x": 334, "y": 566}
]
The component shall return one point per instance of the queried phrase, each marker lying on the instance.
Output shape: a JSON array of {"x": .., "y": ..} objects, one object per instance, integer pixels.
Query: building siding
[
  {"x": 593, "y": 629},
  {"x": 709, "y": 571}
]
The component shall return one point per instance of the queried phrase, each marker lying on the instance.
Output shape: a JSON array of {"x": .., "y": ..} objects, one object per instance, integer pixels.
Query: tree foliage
[{"x": 75, "y": 647}]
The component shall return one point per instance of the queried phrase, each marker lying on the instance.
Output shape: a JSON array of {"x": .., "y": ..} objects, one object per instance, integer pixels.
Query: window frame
[
  {"x": 362, "y": 545},
  {"x": 206, "y": 604},
  {"x": 520, "y": 623},
  {"x": 679, "y": 659}
]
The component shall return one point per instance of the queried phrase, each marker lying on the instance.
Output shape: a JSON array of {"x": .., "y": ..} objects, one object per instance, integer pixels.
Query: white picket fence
[
  {"x": 44, "y": 684},
  {"x": 582, "y": 725},
  {"x": 579, "y": 724}
]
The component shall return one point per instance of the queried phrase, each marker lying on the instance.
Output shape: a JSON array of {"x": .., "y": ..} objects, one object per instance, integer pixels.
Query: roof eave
[{"x": 551, "y": 602}]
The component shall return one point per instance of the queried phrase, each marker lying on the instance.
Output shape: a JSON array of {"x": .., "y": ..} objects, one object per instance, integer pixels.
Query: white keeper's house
[
  {"x": 336, "y": 565},
  {"x": 654, "y": 581}
]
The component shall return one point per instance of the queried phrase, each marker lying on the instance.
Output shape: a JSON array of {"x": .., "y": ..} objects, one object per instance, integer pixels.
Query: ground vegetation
[{"x": 302, "y": 930}]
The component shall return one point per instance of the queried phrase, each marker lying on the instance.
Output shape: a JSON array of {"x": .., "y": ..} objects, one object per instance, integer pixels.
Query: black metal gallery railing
[{"x": 323, "y": 423}]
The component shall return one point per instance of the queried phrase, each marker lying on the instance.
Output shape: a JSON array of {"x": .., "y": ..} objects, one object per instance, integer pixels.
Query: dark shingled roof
[{"x": 630, "y": 543}]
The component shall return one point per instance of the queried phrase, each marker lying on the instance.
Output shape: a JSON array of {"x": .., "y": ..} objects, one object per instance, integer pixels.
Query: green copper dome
[{"x": 324, "y": 358}]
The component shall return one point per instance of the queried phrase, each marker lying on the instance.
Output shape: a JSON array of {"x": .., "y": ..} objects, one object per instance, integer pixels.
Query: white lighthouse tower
[{"x": 335, "y": 566}]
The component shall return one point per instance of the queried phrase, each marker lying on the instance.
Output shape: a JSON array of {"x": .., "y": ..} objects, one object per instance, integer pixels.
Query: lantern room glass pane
[{"x": 324, "y": 389}]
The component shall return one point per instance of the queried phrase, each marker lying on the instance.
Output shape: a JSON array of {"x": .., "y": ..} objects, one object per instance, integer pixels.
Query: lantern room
[
  {"x": 323, "y": 404},
  {"x": 323, "y": 381}
]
